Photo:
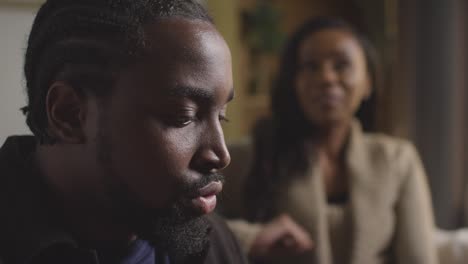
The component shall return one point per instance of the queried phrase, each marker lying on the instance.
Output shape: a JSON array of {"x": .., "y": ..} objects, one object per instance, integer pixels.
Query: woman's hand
[{"x": 281, "y": 237}]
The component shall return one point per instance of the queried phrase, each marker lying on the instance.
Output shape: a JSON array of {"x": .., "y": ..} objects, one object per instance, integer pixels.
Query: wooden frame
[
  {"x": 21, "y": 2},
  {"x": 39, "y": 2}
]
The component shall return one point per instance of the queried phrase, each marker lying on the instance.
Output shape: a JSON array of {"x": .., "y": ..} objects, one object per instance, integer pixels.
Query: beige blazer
[{"x": 390, "y": 206}]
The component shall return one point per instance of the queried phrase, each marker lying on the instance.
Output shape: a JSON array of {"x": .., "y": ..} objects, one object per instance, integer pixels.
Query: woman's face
[{"x": 332, "y": 77}]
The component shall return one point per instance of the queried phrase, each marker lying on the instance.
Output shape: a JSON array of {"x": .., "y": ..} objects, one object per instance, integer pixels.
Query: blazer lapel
[
  {"x": 313, "y": 217},
  {"x": 367, "y": 216}
]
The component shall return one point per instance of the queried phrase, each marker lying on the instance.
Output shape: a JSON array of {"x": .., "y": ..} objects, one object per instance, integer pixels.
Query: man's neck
[
  {"x": 97, "y": 230},
  {"x": 84, "y": 215}
]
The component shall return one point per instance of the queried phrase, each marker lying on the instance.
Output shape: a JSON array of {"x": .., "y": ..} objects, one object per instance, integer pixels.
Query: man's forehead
[
  {"x": 180, "y": 38},
  {"x": 186, "y": 58}
]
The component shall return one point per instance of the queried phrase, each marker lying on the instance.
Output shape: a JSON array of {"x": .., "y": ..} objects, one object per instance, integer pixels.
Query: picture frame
[
  {"x": 38, "y": 2},
  {"x": 21, "y": 2}
]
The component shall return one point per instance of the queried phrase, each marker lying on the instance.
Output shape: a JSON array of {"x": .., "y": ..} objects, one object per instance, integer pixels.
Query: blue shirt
[{"x": 140, "y": 252}]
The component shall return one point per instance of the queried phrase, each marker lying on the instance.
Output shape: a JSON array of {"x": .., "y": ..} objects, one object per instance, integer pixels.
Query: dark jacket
[{"x": 30, "y": 223}]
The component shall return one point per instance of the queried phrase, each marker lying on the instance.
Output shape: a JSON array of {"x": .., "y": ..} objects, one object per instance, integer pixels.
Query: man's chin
[{"x": 181, "y": 237}]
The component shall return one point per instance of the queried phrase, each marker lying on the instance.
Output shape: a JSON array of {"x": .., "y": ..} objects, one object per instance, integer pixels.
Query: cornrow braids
[{"x": 86, "y": 43}]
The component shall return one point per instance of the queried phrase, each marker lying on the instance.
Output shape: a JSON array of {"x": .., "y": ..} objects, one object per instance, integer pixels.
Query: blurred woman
[{"x": 316, "y": 178}]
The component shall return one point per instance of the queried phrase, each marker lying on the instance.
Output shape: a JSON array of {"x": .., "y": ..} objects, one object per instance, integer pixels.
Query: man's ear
[{"x": 66, "y": 113}]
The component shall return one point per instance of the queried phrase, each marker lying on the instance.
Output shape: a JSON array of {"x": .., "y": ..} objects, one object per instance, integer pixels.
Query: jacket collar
[
  {"x": 31, "y": 224},
  {"x": 362, "y": 167},
  {"x": 366, "y": 170}
]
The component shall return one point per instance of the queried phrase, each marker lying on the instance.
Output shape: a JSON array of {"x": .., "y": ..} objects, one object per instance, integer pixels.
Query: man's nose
[{"x": 213, "y": 155}]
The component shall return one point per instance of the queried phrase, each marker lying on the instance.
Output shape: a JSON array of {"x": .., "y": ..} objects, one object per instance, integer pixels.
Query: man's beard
[
  {"x": 183, "y": 240},
  {"x": 177, "y": 231}
]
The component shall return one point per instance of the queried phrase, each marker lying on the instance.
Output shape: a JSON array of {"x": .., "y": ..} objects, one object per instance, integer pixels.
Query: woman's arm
[
  {"x": 245, "y": 232},
  {"x": 278, "y": 238}
]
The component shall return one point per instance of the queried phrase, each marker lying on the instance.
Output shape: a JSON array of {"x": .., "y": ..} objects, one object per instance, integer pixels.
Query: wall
[
  {"x": 15, "y": 23},
  {"x": 432, "y": 55},
  {"x": 225, "y": 14}
]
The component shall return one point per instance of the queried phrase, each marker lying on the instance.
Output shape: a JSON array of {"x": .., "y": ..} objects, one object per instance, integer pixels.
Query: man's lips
[{"x": 206, "y": 199}]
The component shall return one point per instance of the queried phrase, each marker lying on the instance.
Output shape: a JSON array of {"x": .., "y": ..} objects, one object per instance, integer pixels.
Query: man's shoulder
[
  {"x": 224, "y": 248},
  {"x": 15, "y": 155},
  {"x": 25, "y": 216}
]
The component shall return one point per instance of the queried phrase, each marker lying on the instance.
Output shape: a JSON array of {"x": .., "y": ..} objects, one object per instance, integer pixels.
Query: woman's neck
[{"x": 330, "y": 140}]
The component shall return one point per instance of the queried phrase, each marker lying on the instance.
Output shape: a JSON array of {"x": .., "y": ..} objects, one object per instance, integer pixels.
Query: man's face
[{"x": 158, "y": 138}]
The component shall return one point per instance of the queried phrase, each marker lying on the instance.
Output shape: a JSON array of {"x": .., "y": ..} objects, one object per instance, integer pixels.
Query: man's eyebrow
[{"x": 196, "y": 94}]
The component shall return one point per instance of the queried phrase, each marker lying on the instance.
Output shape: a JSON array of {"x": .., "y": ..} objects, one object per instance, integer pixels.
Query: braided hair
[{"x": 86, "y": 43}]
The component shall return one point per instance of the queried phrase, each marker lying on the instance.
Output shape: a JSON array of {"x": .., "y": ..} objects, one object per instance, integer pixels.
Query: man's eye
[
  {"x": 223, "y": 118},
  {"x": 182, "y": 117},
  {"x": 181, "y": 121}
]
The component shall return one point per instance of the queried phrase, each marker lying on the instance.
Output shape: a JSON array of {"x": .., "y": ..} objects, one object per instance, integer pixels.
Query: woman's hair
[
  {"x": 279, "y": 149},
  {"x": 86, "y": 43}
]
